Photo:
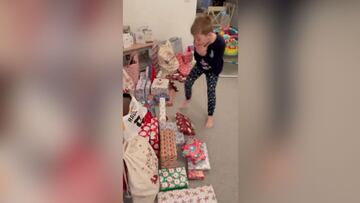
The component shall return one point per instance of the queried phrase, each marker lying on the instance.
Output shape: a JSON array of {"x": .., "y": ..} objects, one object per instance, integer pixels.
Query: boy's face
[{"x": 201, "y": 39}]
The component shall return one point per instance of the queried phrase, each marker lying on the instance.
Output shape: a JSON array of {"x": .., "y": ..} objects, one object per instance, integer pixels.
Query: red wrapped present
[
  {"x": 150, "y": 130},
  {"x": 184, "y": 124},
  {"x": 192, "y": 151},
  {"x": 196, "y": 175}
]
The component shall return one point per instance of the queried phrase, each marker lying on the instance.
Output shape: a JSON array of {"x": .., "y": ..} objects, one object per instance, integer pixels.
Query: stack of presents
[{"x": 154, "y": 172}]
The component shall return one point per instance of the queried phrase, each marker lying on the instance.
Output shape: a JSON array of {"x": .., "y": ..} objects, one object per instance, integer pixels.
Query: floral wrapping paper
[
  {"x": 168, "y": 152},
  {"x": 204, "y": 194},
  {"x": 180, "y": 138},
  {"x": 173, "y": 178},
  {"x": 201, "y": 165}
]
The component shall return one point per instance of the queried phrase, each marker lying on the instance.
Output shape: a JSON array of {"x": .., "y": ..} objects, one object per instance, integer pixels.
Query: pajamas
[{"x": 211, "y": 80}]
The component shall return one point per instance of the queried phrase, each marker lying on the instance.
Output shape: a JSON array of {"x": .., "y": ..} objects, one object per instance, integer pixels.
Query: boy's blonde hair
[{"x": 202, "y": 25}]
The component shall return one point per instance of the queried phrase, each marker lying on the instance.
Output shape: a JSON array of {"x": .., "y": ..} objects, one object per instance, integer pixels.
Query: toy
[
  {"x": 231, "y": 48},
  {"x": 230, "y": 35}
]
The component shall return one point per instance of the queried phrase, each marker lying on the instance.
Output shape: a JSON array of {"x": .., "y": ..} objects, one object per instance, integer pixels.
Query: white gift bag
[
  {"x": 133, "y": 120},
  {"x": 142, "y": 170}
]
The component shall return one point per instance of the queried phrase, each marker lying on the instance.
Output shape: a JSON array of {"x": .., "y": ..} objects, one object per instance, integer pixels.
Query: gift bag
[
  {"x": 168, "y": 153},
  {"x": 184, "y": 124},
  {"x": 142, "y": 170},
  {"x": 173, "y": 178},
  {"x": 203, "y": 164},
  {"x": 132, "y": 68},
  {"x": 133, "y": 120},
  {"x": 128, "y": 40},
  {"x": 176, "y": 44},
  {"x": 204, "y": 194},
  {"x": 128, "y": 84},
  {"x": 180, "y": 138},
  {"x": 167, "y": 59}
]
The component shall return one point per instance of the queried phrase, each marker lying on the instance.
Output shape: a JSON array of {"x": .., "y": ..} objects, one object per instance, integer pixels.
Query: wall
[{"x": 166, "y": 18}]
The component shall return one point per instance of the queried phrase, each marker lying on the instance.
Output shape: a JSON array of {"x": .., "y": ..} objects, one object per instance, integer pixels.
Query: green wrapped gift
[{"x": 173, "y": 178}]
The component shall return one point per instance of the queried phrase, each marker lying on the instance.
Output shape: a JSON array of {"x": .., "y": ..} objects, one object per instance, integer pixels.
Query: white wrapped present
[
  {"x": 140, "y": 90},
  {"x": 204, "y": 194},
  {"x": 162, "y": 110},
  {"x": 160, "y": 87}
]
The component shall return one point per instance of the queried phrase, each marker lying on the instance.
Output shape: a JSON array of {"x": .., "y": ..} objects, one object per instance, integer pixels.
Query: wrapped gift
[
  {"x": 176, "y": 76},
  {"x": 147, "y": 88},
  {"x": 173, "y": 178},
  {"x": 160, "y": 87},
  {"x": 150, "y": 105},
  {"x": 162, "y": 110},
  {"x": 140, "y": 90},
  {"x": 168, "y": 153},
  {"x": 192, "y": 151},
  {"x": 204, "y": 194},
  {"x": 180, "y": 139},
  {"x": 184, "y": 67},
  {"x": 196, "y": 175},
  {"x": 201, "y": 165},
  {"x": 150, "y": 130},
  {"x": 184, "y": 124},
  {"x": 187, "y": 56},
  {"x": 154, "y": 56}
]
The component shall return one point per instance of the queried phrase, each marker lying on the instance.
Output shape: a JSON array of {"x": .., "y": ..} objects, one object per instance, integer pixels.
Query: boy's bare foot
[
  {"x": 184, "y": 104},
  {"x": 209, "y": 122}
]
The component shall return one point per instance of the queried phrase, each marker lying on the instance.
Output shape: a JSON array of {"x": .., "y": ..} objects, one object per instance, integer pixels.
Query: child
[{"x": 209, "y": 52}]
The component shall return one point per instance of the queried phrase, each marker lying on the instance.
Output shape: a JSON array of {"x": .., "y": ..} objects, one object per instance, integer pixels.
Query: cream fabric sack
[
  {"x": 167, "y": 60},
  {"x": 133, "y": 120},
  {"x": 142, "y": 167}
]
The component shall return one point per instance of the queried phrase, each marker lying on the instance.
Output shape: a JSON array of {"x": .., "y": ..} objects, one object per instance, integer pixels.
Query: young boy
[{"x": 209, "y": 52}]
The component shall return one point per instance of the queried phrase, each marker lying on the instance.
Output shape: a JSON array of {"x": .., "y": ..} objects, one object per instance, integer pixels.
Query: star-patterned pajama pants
[{"x": 211, "y": 80}]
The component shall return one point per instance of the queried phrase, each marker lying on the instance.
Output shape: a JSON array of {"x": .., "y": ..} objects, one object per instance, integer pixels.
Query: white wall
[{"x": 166, "y": 18}]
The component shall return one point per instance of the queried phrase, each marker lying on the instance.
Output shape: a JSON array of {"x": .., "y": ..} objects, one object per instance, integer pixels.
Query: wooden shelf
[{"x": 137, "y": 47}]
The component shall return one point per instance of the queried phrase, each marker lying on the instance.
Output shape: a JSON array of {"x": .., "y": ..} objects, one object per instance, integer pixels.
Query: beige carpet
[{"x": 222, "y": 140}]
